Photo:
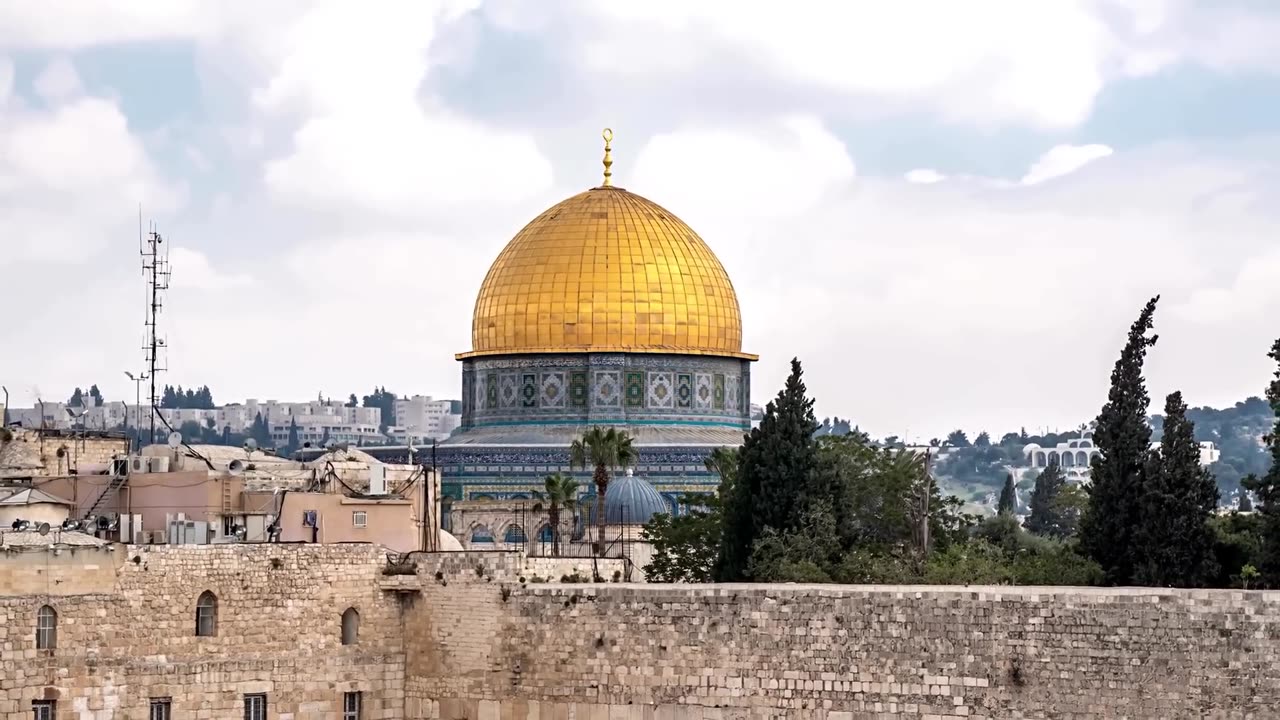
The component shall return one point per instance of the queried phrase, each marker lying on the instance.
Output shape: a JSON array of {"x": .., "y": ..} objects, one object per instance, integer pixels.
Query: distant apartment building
[
  {"x": 423, "y": 418},
  {"x": 1075, "y": 457}
]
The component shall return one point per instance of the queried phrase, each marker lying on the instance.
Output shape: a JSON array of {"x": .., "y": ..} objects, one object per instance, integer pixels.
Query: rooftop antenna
[{"x": 155, "y": 268}]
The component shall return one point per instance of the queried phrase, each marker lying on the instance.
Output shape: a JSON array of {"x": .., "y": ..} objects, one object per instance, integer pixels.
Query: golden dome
[{"x": 607, "y": 271}]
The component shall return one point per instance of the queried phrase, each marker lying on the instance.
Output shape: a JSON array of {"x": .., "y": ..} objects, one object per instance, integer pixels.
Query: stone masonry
[
  {"x": 486, "y": 636},
  {"x": 836, "y": 653}
]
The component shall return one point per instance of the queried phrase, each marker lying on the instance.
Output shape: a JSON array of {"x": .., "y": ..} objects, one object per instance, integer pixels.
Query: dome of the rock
[{"x": 607, "y": 271}]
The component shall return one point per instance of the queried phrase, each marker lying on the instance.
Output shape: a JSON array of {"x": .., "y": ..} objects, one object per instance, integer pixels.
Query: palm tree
[
  {"x": 561, "y": 493},
  {"x": 604, "y": 450}
]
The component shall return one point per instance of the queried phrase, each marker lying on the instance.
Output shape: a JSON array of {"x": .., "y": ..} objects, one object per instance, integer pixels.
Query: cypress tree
[
  {"x": 1174, "y": 543},
  {"x": 1046, "y": 517},
  {"x": 776, "y": 465},
  {"x": 1267, "y": 488},
  {"x": 1008, "y": 497},
  {"x": 293, "y": 435},
  {"x": 1123, "y": 439}
]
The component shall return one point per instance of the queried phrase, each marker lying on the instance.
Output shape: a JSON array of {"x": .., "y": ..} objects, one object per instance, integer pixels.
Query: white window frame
[
  {"x": 359, "y": 518},
  {"x": 161, "y": 709},
  {"x": 255, "y": 706},
  {"x": 352, "y": 705},
  {"x": 46, "y": 628},
  {"x": 44, "y": 709}
]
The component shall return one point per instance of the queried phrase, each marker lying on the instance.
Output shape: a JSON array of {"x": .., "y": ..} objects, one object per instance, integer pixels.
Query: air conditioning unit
[
  {"x": 377, "y": 479},
  {"x": 137, "y": 464},
  {"x": 119, "y": 467},
  {"x": 158, "y": 464}
]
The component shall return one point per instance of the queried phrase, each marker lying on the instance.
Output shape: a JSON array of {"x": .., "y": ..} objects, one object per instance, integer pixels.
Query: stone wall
[
  {"x": 278, "y": 632},
  {"x": 836, "y": 653}
]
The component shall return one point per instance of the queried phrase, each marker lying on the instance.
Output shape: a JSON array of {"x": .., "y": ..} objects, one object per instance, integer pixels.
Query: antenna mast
[{"x": 155, "y": 268}]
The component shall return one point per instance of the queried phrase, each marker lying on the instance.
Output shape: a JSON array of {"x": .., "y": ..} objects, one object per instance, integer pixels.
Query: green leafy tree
[
  {"x": 1046, "y": 516},
  {"x": 561, "y": 494},
  {"x": 957, "y": 439},
  {"x": 352, "y": 401},
  {"x": 604, "y": 450},
  {"x": 776, "y": 474},
  {"x": 77, "y": 398},
  {"x": 1245, "y": 504},
  {"x": 96, "y": 395},
  {"x": 1008, "y": 504},
  {"x": 1119, "y": 471},
  {"x": 983, "y": 440},
  {"x": 260, "y": 431},
  {"x": 1174, "y": 543},
  {"x": 1267, "y": 489},
  {"x": 686, "y": 546}
]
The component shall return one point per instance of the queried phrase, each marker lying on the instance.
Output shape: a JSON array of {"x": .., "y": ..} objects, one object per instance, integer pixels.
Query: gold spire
[{"x": 608, "y": 157}]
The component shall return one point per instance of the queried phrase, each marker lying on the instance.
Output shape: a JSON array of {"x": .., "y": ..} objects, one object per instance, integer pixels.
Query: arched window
[
  {"x": 1068, "y": 458},
  {"x": 46, "y": 628},
  {"x": 514, "y": 535},
  {"x": 1041, "y": 460},
  {"x": 350, "y": 626},
  {"x": 481, "y": 534},
  {"x": 544, "y": 534},
  {"x": 1082, "y": 458},
  {"x": 207, "y": 615}
]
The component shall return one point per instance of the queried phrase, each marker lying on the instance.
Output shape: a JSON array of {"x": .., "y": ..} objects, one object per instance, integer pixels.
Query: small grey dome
[{"x": 631, "y": 501}]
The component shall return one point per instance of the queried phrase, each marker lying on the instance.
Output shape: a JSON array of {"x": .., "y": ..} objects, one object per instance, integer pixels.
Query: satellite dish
[
  {"x": 43, "y": 528},
  {"x": 306, "y": 444},
  {"x": 235, "y": 467},
  {"x": 250, "y": 445},
  {"x": 331, "y": 445},
  {"x": 175, "y": 439}
]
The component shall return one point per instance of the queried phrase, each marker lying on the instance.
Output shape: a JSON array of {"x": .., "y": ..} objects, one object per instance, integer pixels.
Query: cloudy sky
[{"x": 950, "y": 212}]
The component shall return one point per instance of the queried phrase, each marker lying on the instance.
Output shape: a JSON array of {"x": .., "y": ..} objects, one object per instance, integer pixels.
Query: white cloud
[
  {"x": 1063, "y": 160},
  {"x": 924, "y": 176},
  {"x": 192, "y": 269},
  {"x": 58, "y": 81},
  {"x": 69, "y": 178}
]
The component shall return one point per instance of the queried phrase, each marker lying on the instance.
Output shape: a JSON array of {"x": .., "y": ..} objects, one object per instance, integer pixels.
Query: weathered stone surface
[{"x": 460, "y": 636}]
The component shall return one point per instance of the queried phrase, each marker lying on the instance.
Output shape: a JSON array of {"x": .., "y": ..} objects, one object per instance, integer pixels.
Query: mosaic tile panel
[
  {"x": 732, "y": 384},
  {"x": 635, "y": 389},
  {"x": 702, "y": 391},
  {"x": 684, "y": 390},
  {"x": 491, "y": 391},
  {"x": 508, "y": 393},
  {"x": 661, "y": 393},
  {"x": 717, "y": 398},
  {"x": 608, "y": 390},
  {"x": 528, "y": 390},
  {"x": 554, "y": 391},
  {"x": 579, "y": 390}
]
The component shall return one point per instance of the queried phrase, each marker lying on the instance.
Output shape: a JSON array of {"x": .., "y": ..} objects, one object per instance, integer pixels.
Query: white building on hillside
[
  {"x": 422, "y": 417},
  {"x": 1076, "y": 456}
]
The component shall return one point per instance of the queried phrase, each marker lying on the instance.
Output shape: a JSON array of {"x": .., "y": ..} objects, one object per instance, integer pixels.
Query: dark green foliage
[
  {"x": 1037, "y": 561},
  {"x": 776, "y": 477},
  {"x": 603, "y": 450},
  {"x": 260, "y": 431},
  {"x": 957, "y": 439},
  {"x": 685, "y": 548},
  {"x": 1237, "y": 543},
  {"x": 176, "y": 398},
  {"x": 1008, "y": 504},
  {"x": 1047, "y": 516},
  {"x": 1174, "y": 544},
  {"x": 1245, "y": 504},
  {"x": 77, "y": 398},
  {"x": 352, "y": 401},
  {"x": 1235, "y": 431},
  {"x": 983, "y": 440},
  {"x": 1267, "y": 488},
  {"x": 292, "y": 445},
  {"x": 1118, "y": 474},
  {"x": 801, "y": 553},
  {"x": 384, "y": 401},
  {"x": 979, "y": 465},
  {"x": 96, "y": 395}
]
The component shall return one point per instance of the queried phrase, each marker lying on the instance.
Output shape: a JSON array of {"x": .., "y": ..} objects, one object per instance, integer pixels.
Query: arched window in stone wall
[
  {"x": 481, "y": 534},
  {"x": 515, "y": 535},
  {"x": 207, "y": 615},
  {"x": 46, "y": 628},
  {"x": 544, "y": 534},
  {"x": 350, "y": 626}
]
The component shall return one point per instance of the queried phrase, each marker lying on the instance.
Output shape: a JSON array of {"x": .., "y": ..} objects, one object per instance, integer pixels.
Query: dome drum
[{"x": 606, "y": 388}]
